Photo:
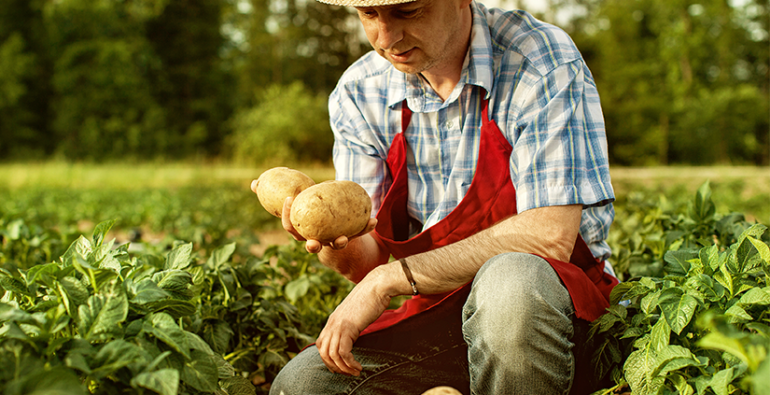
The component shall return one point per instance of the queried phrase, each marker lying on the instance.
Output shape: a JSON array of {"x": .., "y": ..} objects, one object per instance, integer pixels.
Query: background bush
[{"x": 288, "y": 124}]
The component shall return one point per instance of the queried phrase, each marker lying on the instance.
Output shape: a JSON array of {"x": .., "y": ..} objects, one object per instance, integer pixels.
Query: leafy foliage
[
  {"x": 697, "y": 322},
  {"x": 102, "y": 320},
  {"x": 269, "y": 132}
]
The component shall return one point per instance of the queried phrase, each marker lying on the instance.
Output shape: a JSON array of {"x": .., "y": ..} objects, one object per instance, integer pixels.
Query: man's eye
[
  {"x": 408, "y": 13},
  {"x": 368, "y": 13}
]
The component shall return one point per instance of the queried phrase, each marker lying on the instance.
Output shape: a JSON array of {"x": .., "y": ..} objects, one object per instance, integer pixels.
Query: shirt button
[{"x": 449, "y": 125}]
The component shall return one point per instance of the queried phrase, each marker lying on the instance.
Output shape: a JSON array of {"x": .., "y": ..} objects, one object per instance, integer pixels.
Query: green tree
[
  {"x": 682, "y": 81},
  {"x": 289, "y": 124},
  {"x": 191, "y": 82},
  {"x": 24, "y": 81},
  {"x": 103, "y": 107},
  {"x": 278, "y": 42}
]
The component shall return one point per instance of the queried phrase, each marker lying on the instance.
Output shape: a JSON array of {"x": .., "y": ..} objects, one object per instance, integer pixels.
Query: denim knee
[
  {"x": 304, "y": 374},
  {"x": 517, "y": 324}
]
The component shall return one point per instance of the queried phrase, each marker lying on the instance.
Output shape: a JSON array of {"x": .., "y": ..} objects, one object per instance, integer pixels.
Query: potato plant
[
  {"x": 103, "y": 320},
  {"x": 192, "y": 310},
  {"x": 702, "y": 326}
]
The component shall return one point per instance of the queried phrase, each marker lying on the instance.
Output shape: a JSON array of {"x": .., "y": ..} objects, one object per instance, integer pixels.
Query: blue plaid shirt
[{"x": 541, "y": 95}]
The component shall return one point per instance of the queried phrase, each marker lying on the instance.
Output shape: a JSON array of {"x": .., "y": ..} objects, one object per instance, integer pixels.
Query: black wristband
[{"x": 409, "y": 276}]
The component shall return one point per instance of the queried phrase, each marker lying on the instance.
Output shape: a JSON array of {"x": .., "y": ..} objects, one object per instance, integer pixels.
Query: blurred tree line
[{"x": 681, "y": 81}]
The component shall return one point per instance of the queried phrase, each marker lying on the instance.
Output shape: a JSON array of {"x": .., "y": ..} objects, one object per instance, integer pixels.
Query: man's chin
[{"x": 407, "y": 68}]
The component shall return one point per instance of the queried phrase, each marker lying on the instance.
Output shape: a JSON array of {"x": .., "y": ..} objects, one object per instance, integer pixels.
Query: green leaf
[
  {"x": 737, "y": 314},
  {"x": 709, "y": 257},
  {"x": 650, "y": 302},
  {"x": 102, "y": 315},
  {"x": 618, "y": 293},
  {"x": 76, "y": 291},
  {"x": 175, "y": 307},
  {"x": 678, "y": 261},
  {"x": 200, "y": 371},
  {"x": 54, "y": 381},
  {"x": 77, "y": 361},
  {"x": 724, "y": 277},
  {"x": 220, "y": 256},
  {"x": 756, "y": 296},
  {"x": 720, "y": 381},
  {"x": 238, "y": 385},
  {"x": 101, "y": 231},
  {"x": 13, "y": 284},
  {"x": 638, "y": 370},
  {"x": 103, "y": 258},
  {"x": 297, "y": 288},
  {"x": 165, "y": 329},
  {"x": 113, "y": 356},
  {"x": 176, "y": 282},
  {"x": 217, "y": 333},
  {"x": 45, "y": 273},
  {"x": 718, "y": 341},
  {"x": 704, "y": 207},
  {"x": 80, "y": 247},
  {"x": 762, "y": 248},
  {"x": 678, "y": 308},
  {"x": 11, "y": 313},
  {"x": 163, "y": 381},
  {"x": 705, "y": 287},
  {"x": 145, "y": 291},
  {"x": 671, "y": 358},
  {"x": 179, "y": 257},
  {"x": 660, "y": 335},
  {"x": 760, "y": 380}
]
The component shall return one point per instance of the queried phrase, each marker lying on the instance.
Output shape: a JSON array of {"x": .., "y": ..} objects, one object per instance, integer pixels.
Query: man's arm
[{"x": 547, "y": 231}]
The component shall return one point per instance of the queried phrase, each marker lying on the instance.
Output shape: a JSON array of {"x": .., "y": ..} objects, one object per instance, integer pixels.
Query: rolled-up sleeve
[{"x": 560, "y": 151}]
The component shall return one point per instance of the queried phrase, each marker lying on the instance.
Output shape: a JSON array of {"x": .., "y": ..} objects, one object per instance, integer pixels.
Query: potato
[
  {"x": 275, "y": 185},
  {"x": 331, "y": 209},
  {"x": 442, "y": 391}
]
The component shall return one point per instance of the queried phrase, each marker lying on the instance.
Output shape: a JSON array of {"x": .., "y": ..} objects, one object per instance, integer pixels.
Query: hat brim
[{"x": 364, "y": 3}]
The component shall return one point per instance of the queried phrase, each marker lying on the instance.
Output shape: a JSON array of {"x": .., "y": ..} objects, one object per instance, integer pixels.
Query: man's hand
[
  {"x": 315, "y": 246},
  {"x": 360, "y": 308}
]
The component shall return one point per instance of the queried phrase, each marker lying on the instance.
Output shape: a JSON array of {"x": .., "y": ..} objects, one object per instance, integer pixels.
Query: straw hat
[{"x": 364, "y": 3}]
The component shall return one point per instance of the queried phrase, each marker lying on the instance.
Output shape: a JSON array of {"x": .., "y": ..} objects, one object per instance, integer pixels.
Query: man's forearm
[{"x": 549, "y": 232}]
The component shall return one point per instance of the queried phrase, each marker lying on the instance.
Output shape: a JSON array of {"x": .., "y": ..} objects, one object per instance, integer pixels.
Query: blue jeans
[{"x": 513, "y": 336}]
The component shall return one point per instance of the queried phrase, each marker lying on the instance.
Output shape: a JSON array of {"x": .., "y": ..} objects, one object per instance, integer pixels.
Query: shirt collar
[{"x": 477, "y": 70}]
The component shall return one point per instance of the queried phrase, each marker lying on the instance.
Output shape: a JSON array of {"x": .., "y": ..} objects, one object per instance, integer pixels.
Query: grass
[
  {"x": 131, "y": 176},
  {"x": 735, "y": 188}
]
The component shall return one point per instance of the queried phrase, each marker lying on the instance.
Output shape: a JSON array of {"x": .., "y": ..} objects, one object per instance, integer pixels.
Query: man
[{"x": 479, "y": 135}]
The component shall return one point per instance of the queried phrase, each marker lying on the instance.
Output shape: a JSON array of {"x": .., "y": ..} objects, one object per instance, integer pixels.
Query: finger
[
  {"x": 323, "y": 350},
  {"x": 346, "y": 351},
  {"x": 369, "y": 227},
  {"x": 340, "y": 243},
  {"x": 313, "y": 246},
  {"x": 337, "y": 358},
  {"x": 254, "y": 186},
  {"x": 286, "y": 219}
]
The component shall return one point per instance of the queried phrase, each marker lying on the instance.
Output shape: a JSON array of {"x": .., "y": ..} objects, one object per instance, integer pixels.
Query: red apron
[{"x": 491, "y": 198}]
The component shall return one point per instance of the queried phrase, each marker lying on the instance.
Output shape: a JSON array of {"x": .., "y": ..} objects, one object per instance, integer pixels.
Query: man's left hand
[{"x": 359, "y": 309}]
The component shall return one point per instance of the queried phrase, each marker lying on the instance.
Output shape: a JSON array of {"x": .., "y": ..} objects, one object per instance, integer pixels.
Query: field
[{"x": 125, "y": 278}]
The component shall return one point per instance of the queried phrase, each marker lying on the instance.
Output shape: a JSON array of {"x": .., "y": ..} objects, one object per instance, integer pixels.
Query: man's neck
[{"x": 444, "y": 79}]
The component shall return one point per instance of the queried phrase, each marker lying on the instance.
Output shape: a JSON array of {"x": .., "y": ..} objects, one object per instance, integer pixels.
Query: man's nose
[{"x": 389, "y": 32}]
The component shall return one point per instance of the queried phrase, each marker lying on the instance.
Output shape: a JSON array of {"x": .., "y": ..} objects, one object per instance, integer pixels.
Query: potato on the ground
[
  {"x": 442, "y": 391},
  {"x": 331, "y": 209},
  {"x": 275, "y": 185}
]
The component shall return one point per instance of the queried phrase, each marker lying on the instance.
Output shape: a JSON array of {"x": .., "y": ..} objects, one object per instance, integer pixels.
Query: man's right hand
[{"x": 315, "y": 246}]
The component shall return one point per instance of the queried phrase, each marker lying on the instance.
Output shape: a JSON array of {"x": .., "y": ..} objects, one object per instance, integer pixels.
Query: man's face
[{"x": 424, "y": 35}]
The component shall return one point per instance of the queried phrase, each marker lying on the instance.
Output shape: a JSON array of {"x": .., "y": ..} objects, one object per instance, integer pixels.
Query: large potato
[
  {"x": 331, "y": 209},
  {"x": 275, "y": 185}
]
